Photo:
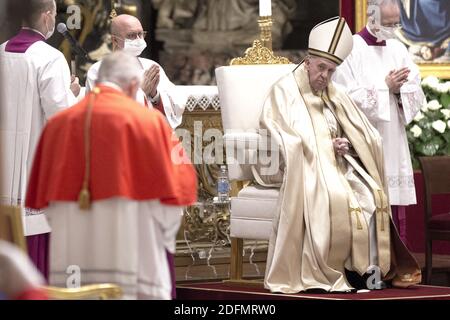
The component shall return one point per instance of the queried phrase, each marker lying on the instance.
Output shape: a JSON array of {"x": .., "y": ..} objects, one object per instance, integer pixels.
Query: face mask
[
  {"x": 135, "y": 47},
  {"x": 50, "y": 31},
  {"x": 385, "y": 33}
]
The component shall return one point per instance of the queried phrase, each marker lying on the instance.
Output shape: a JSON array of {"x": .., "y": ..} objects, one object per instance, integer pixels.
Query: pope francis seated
[{"x": 332, "y": 228}]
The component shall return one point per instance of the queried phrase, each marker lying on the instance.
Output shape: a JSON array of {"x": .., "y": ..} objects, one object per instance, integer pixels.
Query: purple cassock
[{"x": 38, "y": 245}]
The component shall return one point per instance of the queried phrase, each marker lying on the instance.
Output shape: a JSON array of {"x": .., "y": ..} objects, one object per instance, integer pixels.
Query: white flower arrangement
[
  {"x": 435, "y": 84},
  {"x": 429, "y": 132},
  {"x": 433, "y": 105},
  {"x": 439, "y": 126},
  {"x": 446, "y": 113},
  {"x": 430, "y": 81},
  {"x": 416, "y": 131},
  {"x": 419, "y": 116}
]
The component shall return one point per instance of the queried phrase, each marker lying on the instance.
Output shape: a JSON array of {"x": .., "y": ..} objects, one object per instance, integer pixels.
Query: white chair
[{"x": 242, "y": 91}]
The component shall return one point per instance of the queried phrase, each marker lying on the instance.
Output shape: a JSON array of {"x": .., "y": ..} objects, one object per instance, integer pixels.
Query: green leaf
[
  {"x": 410, "y": 135},
  {"x": 432, "y": 95},
  {"x": 445, "y": 100},
  {"x": 427, "y": 133},
  {"x": 446, "y": 150},
  {"x": 433, "y": 115},
  {"x": 431, "y": 147},
  {"x": 446, "y": 136},
  {"x": 415, "y": 163}
]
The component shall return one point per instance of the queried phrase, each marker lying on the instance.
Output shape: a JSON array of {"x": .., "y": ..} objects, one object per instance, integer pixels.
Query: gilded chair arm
[{"x": 99, "y": 291}]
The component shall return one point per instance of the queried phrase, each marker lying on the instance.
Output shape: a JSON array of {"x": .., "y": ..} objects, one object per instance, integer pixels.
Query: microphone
[{"x": 62, "y": 28}]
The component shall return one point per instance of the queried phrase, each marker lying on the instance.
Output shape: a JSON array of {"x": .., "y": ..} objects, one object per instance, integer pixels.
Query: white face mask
[
  {"x": 50, "y": 31},
  {"x": 135, "y": 47},
  {"x": 385, "y": 33}
]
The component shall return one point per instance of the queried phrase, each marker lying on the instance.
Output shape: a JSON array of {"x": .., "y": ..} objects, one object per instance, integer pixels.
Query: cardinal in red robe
[{"x": 113, "y": 180}]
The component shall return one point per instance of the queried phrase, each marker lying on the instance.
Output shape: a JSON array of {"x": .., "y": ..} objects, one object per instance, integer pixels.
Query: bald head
[
  {"x": 383, "y": 17},
  {"x": 124, "y": 27},
  {"x": 383, "y": 12}
]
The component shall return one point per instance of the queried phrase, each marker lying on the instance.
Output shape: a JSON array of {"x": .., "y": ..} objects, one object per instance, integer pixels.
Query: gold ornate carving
[
  {"x": 207, "y": 173},
  {"x": 11, "y": 228},
  {"x": 113, "y": 14},
  {"x": 265, "y": 25},
  {"x": 258, "y": 54},
  {"x": 100, "y": 291},
  {"x": 207, "y": 221}
]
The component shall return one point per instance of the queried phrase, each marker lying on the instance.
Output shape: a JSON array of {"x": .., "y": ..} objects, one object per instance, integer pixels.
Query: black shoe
[
  {"x": 316, "y": 291},
  {"x": 355, "y": 280}
]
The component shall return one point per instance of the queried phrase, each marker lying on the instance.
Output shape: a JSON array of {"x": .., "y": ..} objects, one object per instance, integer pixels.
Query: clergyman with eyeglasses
[
  {"x": 385, "y": 84},
  {"x": 157, "y": 90}
]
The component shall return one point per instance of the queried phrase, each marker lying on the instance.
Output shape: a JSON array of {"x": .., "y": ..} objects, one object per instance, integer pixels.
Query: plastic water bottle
[{"x": 223, "y": 185}]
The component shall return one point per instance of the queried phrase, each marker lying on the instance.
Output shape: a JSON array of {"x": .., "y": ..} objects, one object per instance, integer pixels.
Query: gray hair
[
  {"x": 379, "y": 3},
  {"x": 121, "y": 69},
  {"x": 374, "y": 7}
]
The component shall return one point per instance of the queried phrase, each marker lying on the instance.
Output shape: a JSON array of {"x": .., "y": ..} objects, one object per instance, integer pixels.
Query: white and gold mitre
[{"x": 331, "y": 39}]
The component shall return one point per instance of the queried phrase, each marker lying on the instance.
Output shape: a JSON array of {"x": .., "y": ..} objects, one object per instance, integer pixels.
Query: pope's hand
[
  {"x": 341, "y": 146},
  {"x": 151, "y": 81},
  {"x": 396, "y": 79},
  {"x": 75, "y": 85}
]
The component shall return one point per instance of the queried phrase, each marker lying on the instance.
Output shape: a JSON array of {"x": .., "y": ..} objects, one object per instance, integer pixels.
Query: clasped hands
[
  {"x": 341, "y": 146},
  {"x": 151, "y": 81},
  {"x": 75, "y": 85},
  {"x": 396, "y": 79}
]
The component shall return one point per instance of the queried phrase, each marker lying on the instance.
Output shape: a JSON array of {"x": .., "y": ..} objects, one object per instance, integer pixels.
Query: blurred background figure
[
  {"x": 135, "y": 180},
  {"x": 19, "y": 278}
]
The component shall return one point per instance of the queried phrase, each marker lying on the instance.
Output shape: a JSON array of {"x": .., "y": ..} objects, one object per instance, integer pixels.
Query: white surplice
[
  {"x": 172, "y": 100},
  {"x": 35, "y": 86},
  {"x": 362, "y": 76},
  {"x": 118, "y": 241}
]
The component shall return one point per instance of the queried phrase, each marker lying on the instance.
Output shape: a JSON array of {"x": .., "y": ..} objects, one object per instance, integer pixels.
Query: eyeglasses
[
  {"x": 135, "y": 35},
  {"x": 392, "y": 25}
]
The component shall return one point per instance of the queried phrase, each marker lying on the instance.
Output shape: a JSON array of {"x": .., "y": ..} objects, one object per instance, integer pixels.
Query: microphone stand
[{"x": 73, "y": 64}]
